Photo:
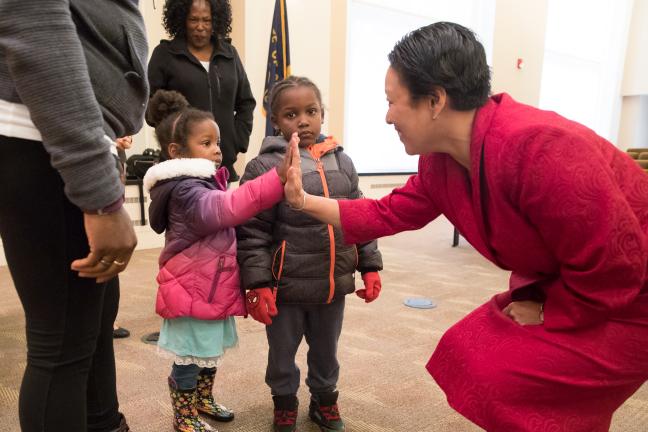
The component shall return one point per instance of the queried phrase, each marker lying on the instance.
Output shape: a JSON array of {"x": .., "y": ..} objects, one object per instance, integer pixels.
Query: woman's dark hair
[
  {"x": 175, "y": 17},
  {"x": 171, "y": 116},
  {"x": 443, "y": 55},
  {"x": 290, "y": 83}
]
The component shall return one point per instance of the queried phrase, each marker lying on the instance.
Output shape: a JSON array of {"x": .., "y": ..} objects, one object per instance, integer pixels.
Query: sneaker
[
  {"x": 285, "y": 413},
  {"x": 325, "y": 413},
  {"x": 120, "y": 332}
]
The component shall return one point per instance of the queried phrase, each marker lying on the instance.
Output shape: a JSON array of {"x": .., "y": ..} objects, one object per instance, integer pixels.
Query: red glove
[
  {"x": 371, "y": 291},
  {"x": 261, "y": 305}
]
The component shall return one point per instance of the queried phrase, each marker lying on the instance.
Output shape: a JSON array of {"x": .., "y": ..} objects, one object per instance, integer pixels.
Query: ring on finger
[
  {"x": 119, "y": 263},
  {"x": 105, "y": 262}
]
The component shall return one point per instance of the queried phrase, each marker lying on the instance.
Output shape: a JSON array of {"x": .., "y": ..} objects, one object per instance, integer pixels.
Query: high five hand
[
  {"x": 293, "y": 190},
  {"x": 291, "y": 150}
]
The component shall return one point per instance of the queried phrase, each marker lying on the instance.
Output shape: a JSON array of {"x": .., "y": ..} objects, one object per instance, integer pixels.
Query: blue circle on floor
[{"x": 420, "y": 303}]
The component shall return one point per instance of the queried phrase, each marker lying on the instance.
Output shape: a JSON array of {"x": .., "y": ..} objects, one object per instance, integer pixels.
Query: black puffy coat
[
  {"x": 306, "y": 260},
  {"x": 224, "y": 90}
]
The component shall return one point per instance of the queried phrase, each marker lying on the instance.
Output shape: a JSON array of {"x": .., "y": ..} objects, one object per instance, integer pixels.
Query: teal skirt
[{"x": 194, "y": 341}]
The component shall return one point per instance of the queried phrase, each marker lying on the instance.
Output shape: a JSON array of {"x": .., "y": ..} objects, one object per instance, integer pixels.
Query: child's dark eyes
[{"x": 310, "y": 112}]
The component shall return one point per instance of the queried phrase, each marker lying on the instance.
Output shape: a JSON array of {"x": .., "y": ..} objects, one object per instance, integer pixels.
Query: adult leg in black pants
[
  {"x": 68, "y": 318},
  {"x": 102, "y": 393}
]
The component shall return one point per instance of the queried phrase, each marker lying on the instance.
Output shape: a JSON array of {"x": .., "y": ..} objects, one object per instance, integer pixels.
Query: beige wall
[
  {"x": 519, "y": 33},
  {"x": 337, "y": 67},
  {"x": 238, "y": 26},
  {"x": 155, "y": 32}
]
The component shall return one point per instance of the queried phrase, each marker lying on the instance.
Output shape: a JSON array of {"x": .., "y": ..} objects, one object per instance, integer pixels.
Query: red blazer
[{"x": 546, "y": 198}]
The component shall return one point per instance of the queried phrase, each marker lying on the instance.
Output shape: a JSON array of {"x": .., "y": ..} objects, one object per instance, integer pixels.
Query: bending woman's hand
[
  {"x": 525, "y": 312},
  {"x": 323, "y": 209},
  {"x": 291, "y": 150}
]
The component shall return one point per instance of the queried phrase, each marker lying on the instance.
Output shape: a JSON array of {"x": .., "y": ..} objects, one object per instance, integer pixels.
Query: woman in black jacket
[{"x": 200, "y": 63}]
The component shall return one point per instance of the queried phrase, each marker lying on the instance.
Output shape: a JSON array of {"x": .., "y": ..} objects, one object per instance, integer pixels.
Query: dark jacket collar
[{"x": 222, "y": 47}]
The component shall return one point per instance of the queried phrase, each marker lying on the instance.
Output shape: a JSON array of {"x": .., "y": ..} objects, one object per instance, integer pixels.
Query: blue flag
[{"x": 278, "y": 57}]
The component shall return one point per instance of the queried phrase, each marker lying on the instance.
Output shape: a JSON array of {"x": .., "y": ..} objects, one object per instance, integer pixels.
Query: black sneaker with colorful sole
[
  {"x": 285, "y": 413},
  {"x": 324, "y": 411}
]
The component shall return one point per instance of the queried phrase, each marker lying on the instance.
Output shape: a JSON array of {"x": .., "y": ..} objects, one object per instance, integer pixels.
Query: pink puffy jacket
[{"x": 199, "y": 275}]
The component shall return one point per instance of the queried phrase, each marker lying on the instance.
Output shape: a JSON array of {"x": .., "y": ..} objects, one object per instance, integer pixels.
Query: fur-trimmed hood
[{"x": 172, "y": 168}]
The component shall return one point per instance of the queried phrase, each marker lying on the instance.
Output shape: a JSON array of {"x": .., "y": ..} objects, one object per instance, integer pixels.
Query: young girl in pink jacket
[{"x": 199, "y": 292}]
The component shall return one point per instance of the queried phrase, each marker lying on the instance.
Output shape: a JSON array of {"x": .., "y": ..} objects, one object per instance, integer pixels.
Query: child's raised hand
[
  {"x": 293, "y": 190},
  {"x": 291, "y": 150}
]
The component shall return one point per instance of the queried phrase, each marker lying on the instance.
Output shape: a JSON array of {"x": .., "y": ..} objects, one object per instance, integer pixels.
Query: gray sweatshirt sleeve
[{"x": 46, "y": 64}]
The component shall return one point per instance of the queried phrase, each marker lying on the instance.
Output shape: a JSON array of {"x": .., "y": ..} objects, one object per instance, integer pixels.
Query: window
[
  {"x": 583, "y": 63},
  {"x": 374, "y": 27}
]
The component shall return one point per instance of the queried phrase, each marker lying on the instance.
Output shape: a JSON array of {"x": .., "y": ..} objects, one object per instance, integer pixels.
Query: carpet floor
[{"x": 382, "y": 351}]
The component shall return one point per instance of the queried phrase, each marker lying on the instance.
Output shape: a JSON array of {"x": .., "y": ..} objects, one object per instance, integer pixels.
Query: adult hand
[
  {"x": 291, "y": 150},
  {"x": 124, "y": 143},
  {"x": 372, "y": 284},
  {"x": 112, "y": 240},
  {"x": 525, "y": 312},
  {"x": 261, "y": 305},
  {"x": 293, "y": 190}
]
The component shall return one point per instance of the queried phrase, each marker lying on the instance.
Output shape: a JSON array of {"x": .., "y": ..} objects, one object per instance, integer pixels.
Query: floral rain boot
[
  {"x": 205, "y": 403},
  {"x": 185, "y": 415}
]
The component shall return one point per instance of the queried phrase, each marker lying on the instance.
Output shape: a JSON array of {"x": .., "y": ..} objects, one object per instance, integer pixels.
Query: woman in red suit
[{"x": 534, "y": 193}]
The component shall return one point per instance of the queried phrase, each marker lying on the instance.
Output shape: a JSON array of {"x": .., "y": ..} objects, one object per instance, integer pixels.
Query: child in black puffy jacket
[{"x": 298, "y": 270}]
